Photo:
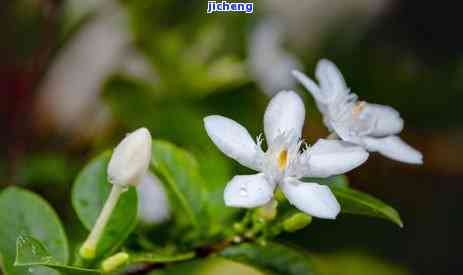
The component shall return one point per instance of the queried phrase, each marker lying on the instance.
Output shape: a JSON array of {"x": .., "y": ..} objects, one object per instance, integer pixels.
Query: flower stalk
[{"x": 88, "y": 249}]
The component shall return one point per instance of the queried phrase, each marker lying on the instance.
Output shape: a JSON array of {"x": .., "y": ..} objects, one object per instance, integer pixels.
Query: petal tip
[
  {"x": 297, "y": 74},
  {"x": 418, "y": 159},
  {"x": 210, "y": 117},
  {"x": 324, "y": 62},
  {"x": 211, "y": 120}
]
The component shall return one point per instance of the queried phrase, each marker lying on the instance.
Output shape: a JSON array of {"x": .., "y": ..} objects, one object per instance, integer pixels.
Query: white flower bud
[{"x": 130, "y": 159}]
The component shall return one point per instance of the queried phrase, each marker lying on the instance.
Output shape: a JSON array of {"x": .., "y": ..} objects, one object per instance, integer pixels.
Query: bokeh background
[{"x": 76, "y": 75}]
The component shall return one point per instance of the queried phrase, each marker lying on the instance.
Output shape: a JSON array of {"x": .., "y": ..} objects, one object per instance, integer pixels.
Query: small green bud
[
  {"x": 267, "y": 212},
  {"x": 279, "y": 196},
  {"x": 296, "y": 222},
  {"x": 114, "y": 262},
  {"x": 238, "y": 227}
]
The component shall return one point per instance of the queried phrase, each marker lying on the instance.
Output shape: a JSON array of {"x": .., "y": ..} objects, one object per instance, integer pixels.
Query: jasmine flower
[
  {"x": 285, "y": 161},
  {"x": 372, "y": 126}
]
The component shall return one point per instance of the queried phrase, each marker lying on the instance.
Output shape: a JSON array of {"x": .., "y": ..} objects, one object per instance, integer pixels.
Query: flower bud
[
  {"x": 130, "y": 159},
  {"x": 114, "y": 262},
  {"x": 268, "y": 212},
  {"x": 296, "y": 222}
]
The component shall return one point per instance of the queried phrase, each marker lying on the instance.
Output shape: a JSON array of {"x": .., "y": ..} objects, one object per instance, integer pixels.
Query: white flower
[
  {"x": 269, "y": 62},
  {"x": 371, "y": 126},
  {"x": 130, "y": 159},
  {"x": 153, "y": 205},
  {"x": 284, "y": 162}
]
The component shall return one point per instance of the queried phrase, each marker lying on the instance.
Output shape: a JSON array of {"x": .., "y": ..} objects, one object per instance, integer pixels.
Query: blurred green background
[{"x": 76, "y": 75}]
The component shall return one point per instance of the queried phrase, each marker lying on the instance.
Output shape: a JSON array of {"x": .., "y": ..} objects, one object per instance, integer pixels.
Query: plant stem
[{"x": 88, "y": 249}]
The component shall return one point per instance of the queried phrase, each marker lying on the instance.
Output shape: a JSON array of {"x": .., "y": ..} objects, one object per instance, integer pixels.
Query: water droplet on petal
[{"x": 244, "y": 190}]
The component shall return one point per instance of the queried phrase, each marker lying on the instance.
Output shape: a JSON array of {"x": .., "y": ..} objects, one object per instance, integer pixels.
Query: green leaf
[
  {"x": 180, "y": 174},
  {"x": 89, "y": 194},
  {"x": 31, "y": 252},
  {"x": 359, "y": 203},
  {"x": 160, "y": 257},
  {"x": 340, "y": 181},
  {"x": 216, "y": 171},
  {"x": 275, "y": 258},
  {"x": 23, "y": 212}
]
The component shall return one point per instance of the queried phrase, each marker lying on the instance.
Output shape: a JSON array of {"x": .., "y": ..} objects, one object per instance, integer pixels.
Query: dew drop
[
  {"x": 244, "y": 189},
  {"x": 30, "y": 269}
]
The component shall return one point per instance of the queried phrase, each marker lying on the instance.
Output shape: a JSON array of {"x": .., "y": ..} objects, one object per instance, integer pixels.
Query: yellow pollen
[
  {"x": 358, "y": 108},
  {"x": 282, "y": 159}
]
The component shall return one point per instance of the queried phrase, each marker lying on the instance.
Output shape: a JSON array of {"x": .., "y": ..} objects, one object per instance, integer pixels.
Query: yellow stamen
[
  {"x": 358, "y": 108},
  {"x": 282, "y": 159}
]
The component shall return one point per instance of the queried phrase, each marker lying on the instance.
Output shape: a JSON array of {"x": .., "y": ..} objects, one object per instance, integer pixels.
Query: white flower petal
[
  {"x": 310, "y": 85},
  {"x": 233, "y": 140},
  {"x": 331, "y": 80},
  {"x": 284, "y": 115},
  {"x": 333, "y": 157},
  {"x": 395, "y": 148},
  {"x": 131, "y": 158},
  {"x": 248, "y": 191},
  {"x": 153, "y": 205},
  {"x": 312, "y": 198},
  {"x": 387, "y": 119}
]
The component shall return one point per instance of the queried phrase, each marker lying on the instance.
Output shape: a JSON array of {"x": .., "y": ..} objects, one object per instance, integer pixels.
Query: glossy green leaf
[
  {"x": 275, "y": 258},
  {"x": 359, "y": 203},
  {"x": 89, "y": 194},
  {"x": 180, "y": 174},
  {"x": 31, "y": 253},
  {"x": 340, "y": 181},
  {"x": 23, "y": 212},
  {"x": 216, "y": 171}
]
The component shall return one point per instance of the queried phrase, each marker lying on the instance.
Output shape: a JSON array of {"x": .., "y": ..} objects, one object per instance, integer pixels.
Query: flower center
[
  {"x": 358, "y": 108},
  {"x": 282, "y": 159}
]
